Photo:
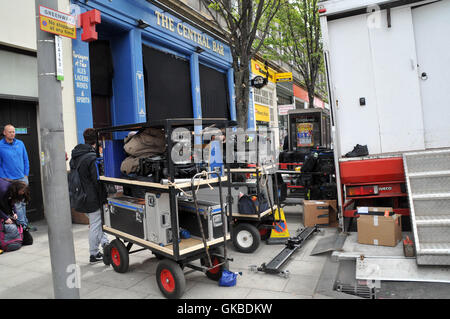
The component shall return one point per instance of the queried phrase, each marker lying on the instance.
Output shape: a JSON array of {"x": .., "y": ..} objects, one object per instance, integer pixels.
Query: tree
[
  {"x": 295, "y": 39},
  {"x": 242, "y": 22}
]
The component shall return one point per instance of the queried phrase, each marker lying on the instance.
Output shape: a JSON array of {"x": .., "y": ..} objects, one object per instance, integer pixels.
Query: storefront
[{"x": 149, "y": 63}]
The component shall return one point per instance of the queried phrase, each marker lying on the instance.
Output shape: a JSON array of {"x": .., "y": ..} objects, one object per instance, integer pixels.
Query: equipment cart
[
  {"x": 150, "y": 218},
  {"x": 249, "y": 229}
]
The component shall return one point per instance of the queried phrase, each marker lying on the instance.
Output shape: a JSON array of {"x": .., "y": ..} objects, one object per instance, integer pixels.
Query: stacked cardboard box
[
  {"x": 332, "y": 212},
  {"x": 315, "y": 212},
  {"x": 320, "y": 212},
  {"x": 378, "y": 226}
]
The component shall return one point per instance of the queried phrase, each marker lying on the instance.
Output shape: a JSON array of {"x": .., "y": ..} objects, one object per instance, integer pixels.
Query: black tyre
[
  {"x": 158, "y": 256},
  {"x": 119, "y": 256},
  {"x": 215, "y": 273},
  {"x": 107, "y": 255},
  {"x": 246, "y": 238},
  {"x": 170, "y": 279}
]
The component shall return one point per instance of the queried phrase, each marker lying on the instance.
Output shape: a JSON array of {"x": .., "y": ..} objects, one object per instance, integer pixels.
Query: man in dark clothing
[{"x": 85, "y": 156}]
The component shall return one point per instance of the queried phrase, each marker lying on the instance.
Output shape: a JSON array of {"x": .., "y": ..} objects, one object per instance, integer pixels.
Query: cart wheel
[
  {"x": 119, "y": 256},
  {"x": 170, "y": 279},
  {"x": 246, "y": 238},
  {"x": 214, "y": 273},
  {"x": 107, "y": 255},
  {"x": 264, "y": 231}
]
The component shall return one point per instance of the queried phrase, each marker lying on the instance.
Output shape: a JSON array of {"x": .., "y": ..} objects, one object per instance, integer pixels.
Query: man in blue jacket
[{"x": 14, "y": 165}]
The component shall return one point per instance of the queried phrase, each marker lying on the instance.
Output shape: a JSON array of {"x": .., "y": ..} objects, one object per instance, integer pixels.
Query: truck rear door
[
  {"x": 374, "y": 75},
  {"x": 431, "y": 29}
]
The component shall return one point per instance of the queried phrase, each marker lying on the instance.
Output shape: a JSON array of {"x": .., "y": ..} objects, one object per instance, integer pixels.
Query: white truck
[{"x": 388, "y": 69}]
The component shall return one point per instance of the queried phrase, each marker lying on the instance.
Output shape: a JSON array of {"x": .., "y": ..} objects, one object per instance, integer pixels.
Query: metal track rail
[{"x": 292, "y": 245}]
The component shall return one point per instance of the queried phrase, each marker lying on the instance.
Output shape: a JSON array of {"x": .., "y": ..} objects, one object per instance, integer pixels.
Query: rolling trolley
[
  {"x": 152, "y": 221},
  {"x": 248, "y": 230}
]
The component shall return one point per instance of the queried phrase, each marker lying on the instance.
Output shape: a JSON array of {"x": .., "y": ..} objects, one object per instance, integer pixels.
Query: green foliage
[
  {"x": 294, "y": 38},
  {"x": 245, "y": 24}
]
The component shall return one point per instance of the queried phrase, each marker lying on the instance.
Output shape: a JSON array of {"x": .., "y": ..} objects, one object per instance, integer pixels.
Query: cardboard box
[
  {"x": 315, "y": 212},
  {"x": 379, "y": 230},
  {"x": 332, "y": 211},
  {"x": 79, "y": 218}
]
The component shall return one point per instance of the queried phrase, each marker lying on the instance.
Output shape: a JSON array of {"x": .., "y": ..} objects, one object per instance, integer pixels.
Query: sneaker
[
  {"x": 358, "y": 150},
  {"x": 96, "y": 258}
]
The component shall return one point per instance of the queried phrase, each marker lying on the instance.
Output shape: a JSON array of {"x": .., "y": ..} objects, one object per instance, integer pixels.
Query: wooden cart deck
[
  {"x": 255, "y": 216},
  {"x": 252, "y": 169},
  {"x": 162, "y": 186},
  {"x": 186, "y": 246}
]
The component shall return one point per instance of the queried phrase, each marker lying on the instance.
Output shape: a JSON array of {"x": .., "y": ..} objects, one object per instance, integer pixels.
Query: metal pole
[{"x": 65, "y": 273}]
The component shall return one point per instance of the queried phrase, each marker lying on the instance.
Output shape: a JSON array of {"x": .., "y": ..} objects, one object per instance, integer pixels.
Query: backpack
[
  {"x": 247, "y": 205},
  {"x": 77, "y": 194},
  {"x": 11, "y": 236},
  {"x": 310, "y": 163},
  {"x": 261, "y": 203}
]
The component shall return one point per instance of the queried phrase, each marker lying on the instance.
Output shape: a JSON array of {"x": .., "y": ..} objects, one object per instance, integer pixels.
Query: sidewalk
[{"x": 29, "y": 272}]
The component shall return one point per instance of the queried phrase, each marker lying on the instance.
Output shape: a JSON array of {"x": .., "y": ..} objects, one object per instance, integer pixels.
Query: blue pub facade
[{"x": 148, "y": 63}]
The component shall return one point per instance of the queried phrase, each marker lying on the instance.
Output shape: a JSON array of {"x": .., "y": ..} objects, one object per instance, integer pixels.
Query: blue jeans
[
  {"x": 21, "y": 208},
  {"x": 96, "y": 235}
]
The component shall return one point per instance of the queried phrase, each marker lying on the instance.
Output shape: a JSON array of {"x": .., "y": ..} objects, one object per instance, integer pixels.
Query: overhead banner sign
[
  {"x": 57, "y": 22},
  {"x": 283, "y": 77}
]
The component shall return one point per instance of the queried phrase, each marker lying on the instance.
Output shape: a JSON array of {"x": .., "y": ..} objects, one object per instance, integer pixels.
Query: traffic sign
[{"x": 57, "y": 22}]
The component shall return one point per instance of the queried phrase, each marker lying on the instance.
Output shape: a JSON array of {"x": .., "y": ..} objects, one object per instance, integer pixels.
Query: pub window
[
  {"x": 214, "y": 93},
  {"x": 167, "y": 85}
]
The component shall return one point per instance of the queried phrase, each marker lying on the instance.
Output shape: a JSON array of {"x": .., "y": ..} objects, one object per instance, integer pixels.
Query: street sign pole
[{"x": 66, "y": 276}]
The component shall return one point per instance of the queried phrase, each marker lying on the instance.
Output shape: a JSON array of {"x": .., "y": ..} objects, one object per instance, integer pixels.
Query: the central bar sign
[
  {"x": 57, "y": 22},
  {"x": 183, "y": 30}
]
